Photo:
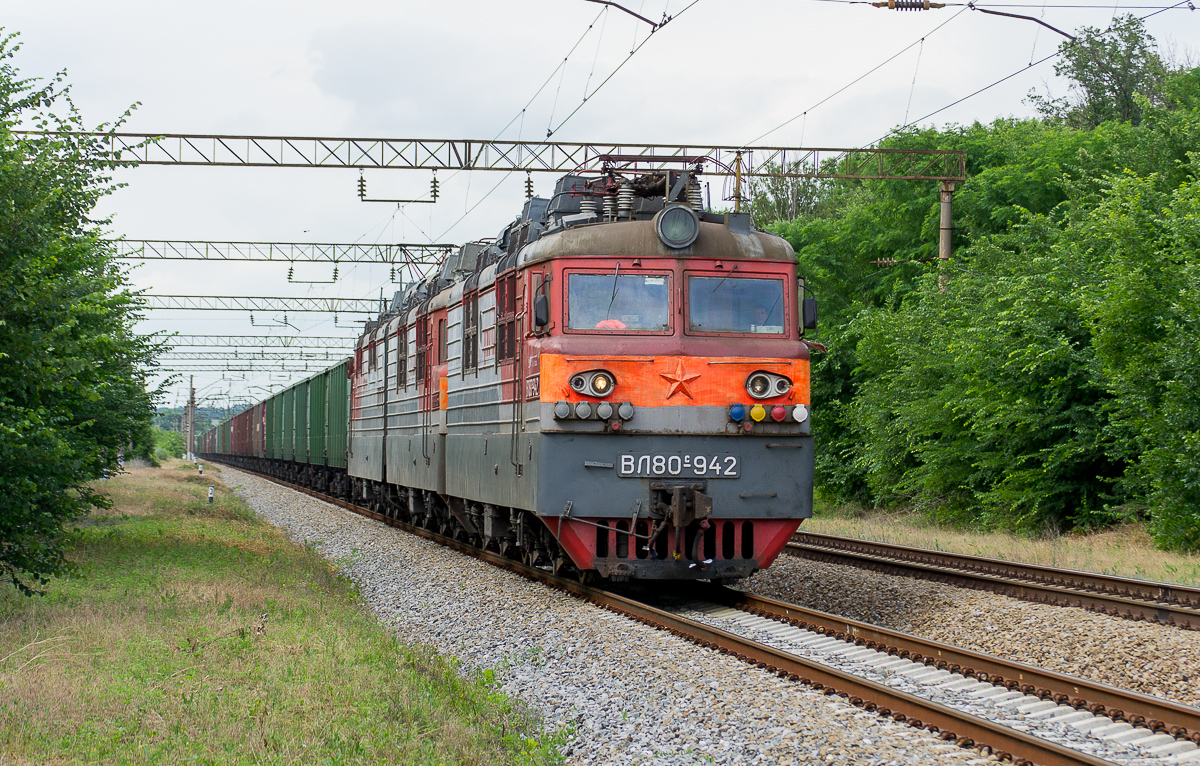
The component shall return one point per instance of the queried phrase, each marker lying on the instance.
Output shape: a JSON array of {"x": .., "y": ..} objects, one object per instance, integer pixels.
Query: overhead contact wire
[
  {"x": 632, "y": 53},
  {"x": 913, "y": 88},
  {"x": 521, "y": 114},
  {"x": 857, "y": 80},
  {"x": 1180, "y": 4},
  {"x": 551, "y": 132}
]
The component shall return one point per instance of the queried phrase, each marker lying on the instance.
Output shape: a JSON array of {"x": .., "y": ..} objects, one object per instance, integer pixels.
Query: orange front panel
[{"x": 658, "y": 381}]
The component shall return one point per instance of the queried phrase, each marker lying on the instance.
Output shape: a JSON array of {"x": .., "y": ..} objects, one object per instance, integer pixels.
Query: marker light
[
  {"x": 604, "y": 410},
  {"x": 800, "y": 413},
  {"x": 778, "y": 413},
  {"x": 583, "y": 410},
  {"x": 737, "y": 412},
  {"x": 758, "y": 412},
  {"x": 562, "y": 410},
  {"x": 615, "y": 425}
]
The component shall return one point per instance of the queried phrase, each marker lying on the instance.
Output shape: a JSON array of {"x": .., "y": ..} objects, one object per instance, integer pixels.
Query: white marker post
[
  {"x": 211, "y": 492},
  {"x": 201, "y": 470}
]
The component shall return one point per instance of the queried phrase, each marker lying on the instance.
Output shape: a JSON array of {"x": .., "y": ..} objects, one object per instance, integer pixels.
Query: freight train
[{"x": 617, "y": 386}]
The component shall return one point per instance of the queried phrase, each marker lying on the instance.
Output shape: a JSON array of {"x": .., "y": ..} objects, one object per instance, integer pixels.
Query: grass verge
[
  {"x": 1125, "y": 551},
  {"x": 200, "y": 634}
]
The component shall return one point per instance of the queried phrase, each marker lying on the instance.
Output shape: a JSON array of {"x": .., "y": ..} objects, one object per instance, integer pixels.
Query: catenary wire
[
  {"x": 1018, "y": 5},
  {"x": 861, "y": 77},
  {"x": 550, "y": 133},
  {"x": 1023, "y": 69},
  {"x": 521, "y": 113}
]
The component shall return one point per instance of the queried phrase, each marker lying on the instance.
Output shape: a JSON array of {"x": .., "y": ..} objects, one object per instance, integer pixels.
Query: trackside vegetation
[
  {"x": 73, "y": 373},
  {"x": 1047, "y": 377},
  {"x": 200, "y": 634}
]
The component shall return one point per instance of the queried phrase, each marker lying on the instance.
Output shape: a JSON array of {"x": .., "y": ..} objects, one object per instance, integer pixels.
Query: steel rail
[
  {"x": 1174, "y": 718},
  {"x": 1175, "y": 605},
  {"x": 957, "y": 726}
]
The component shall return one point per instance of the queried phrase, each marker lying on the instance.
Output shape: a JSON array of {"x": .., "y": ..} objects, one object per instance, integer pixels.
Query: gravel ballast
[
  {"x": 1144, "y": 657},
  {"x": 628, "y": 693}
]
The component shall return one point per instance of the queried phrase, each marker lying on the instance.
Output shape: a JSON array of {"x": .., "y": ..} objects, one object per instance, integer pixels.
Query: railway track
[
  {"x": 1166, "y": 604},
  {"x": 1144, "y": 716}
]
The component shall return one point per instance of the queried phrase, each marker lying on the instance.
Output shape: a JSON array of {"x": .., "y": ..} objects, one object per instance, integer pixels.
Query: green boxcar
[
  {"x": 317, "y": 425},
  {"x": 289, "y": 424},
  {"x": 337, "y": 438},
  {"x": 269, "y": 442},
  {"x": 278, "y": 429},
  {"x": 301, "y": 440}
]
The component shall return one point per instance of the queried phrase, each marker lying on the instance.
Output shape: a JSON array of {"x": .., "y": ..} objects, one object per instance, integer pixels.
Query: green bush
[{"x": 1046, "y": 377}]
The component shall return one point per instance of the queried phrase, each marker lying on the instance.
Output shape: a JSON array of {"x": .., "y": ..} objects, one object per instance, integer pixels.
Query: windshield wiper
[
  {"x": 727, "y": 276},
  {"x": 616, "y": 271}
]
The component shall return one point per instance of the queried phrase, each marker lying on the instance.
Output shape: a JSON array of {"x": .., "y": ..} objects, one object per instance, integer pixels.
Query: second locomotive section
[{"x": 625, "y": 394}]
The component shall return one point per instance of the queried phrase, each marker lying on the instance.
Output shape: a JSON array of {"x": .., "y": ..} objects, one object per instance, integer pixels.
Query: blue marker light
[{"x": 737, "y": 412}]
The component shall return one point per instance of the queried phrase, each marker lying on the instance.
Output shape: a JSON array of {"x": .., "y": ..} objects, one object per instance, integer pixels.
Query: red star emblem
[{"x": 679, "y": 381}]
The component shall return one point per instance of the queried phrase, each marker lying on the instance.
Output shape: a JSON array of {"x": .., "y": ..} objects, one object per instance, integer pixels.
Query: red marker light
[
  {"x": 778, "y": 413},
  {"x": 749, "y": 426},
  {"x": 615, "y": 425}
]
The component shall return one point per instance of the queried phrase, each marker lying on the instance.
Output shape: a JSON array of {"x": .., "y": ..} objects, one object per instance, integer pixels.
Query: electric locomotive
[{"x": 618, "y": 385}]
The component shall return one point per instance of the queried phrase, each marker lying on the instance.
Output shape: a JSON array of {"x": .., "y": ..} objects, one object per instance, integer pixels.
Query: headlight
[
  {"x": 602, "y": 384},
  {"x": 598, "y": 383},
  {"x": 759, "y": 386},
  {"x": 677, "y": 226},
  {"x": 764, "y": 385}
]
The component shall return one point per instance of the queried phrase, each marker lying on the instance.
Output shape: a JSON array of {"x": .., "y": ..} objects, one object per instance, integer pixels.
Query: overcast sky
[{"x": 721, "y": 72}]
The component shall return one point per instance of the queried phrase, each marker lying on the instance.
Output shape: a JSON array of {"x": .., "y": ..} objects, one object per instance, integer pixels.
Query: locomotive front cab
[{"x": 673, "y": 389}]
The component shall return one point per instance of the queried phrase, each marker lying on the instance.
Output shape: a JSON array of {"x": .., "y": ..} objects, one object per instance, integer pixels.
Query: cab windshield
[
  {"x": 619, "y": 302},
  {"x": 735, "y": 305}
]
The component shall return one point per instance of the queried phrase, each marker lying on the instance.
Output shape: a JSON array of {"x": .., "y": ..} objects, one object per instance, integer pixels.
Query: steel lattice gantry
[
  {"x": 530, "y": 156},
  {"x": 395, "y": 254},
  {"x": 234, "y": 354},
  {"x": 247, "y": 303},
  {"x": 260, "y": 341},
  {"x": 238, "y": 365}
]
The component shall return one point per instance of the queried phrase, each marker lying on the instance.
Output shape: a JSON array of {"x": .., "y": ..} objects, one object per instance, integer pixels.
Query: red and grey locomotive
[{"x": 617, "y": 385}]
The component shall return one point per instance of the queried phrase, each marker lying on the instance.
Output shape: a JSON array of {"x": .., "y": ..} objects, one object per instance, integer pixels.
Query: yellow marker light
[{"x": 758, "y": 412}]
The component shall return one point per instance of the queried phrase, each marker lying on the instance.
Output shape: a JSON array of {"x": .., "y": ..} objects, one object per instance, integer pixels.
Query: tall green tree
[
  {"x": 73, "y": 373},
  {"x": 1047, "y": 376},
  {"x": 1115, "y": 73}
]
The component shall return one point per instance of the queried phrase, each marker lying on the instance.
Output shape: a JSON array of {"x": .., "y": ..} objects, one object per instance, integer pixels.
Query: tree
[
  {"x": 1051, "y": 380},
  {"x": 1114, "y": 74},
  {"x": 73, "y": 372}
]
